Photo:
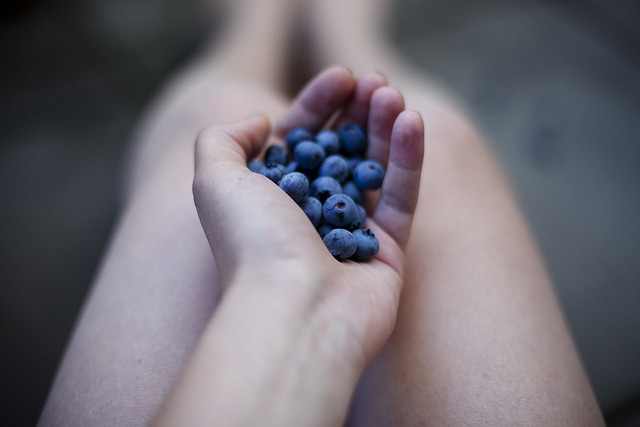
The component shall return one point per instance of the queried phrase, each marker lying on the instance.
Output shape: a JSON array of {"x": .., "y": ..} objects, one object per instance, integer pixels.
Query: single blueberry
[
  {"x": 273, "y": 172},
  {"x": 336, "y": 167},
  {"x": 359, "y": 220},
  {"x": 255, "y": 166},
  {"x": 276, "y": 154},
  {"x": 351, "y": 190},
  {"x": 341, "y": 243},
  {"x": 339, "y": 210},
  {"x": 309, "y": 155},
  {"x": 324, "y": 187},
  {"x": 295, "y": 185},
  {"x": 367, "y": 244},
  {"x": 294, "y": 136},
  {"x": 328, "y": 140},
  {"x": 368, "y": 175},
  {"x": 353, "y": 139},
  {"x": 313, "y": 209},
  {"x": 324, "y": 229}
]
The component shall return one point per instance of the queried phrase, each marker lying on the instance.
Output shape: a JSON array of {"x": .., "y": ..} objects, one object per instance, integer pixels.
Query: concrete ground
[{"x": 555, "y": 85}]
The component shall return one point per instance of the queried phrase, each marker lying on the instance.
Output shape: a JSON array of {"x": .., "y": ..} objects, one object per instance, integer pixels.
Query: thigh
[
  {"x": 157, "y": 285},
  {"x": 479, "y": 338}
]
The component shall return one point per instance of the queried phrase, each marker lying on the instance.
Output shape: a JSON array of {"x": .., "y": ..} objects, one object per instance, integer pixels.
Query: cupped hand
[{"x": 257, "y": 232}]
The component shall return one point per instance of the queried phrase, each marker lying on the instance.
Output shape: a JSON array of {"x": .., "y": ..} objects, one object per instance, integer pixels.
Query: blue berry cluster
[{"x": 326, "y": 175}]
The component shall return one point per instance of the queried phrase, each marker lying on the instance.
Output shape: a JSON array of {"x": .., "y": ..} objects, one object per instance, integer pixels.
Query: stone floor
[{"x": 555, "y": 85}]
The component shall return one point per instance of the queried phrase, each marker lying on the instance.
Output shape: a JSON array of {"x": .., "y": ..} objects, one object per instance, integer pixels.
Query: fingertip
[
  {"x": 411, "y": 119},
  {"x": 338, "y": 71},
  {"x": 407, "y": 140},
  {"x": 240, "y": 140},
  {"x": 409, "y": 127},
  {"x": 374, "y": 79},
  {"x": 388, "y": 98},
  {"x": 339, "y": 78},
  {"x": 260, "y": 123},
  {"x": 329, "y": 91}
]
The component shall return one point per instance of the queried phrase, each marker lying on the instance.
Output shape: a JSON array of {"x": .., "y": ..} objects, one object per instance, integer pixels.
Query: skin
[
  {"x": 475, "y": 336},
  {"x": 337, "y": 315}
]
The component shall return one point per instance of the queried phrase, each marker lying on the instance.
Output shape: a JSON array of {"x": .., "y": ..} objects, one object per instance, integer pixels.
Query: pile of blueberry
[{"x": 326, "y": 177}]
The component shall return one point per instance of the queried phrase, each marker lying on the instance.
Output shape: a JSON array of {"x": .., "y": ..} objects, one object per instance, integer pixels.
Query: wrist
[{"x": 270, "y": 355}]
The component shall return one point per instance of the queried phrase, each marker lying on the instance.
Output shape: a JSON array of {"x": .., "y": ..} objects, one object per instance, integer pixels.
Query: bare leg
[
  {"x": 157, "y": 285},
  {"x": 480, "y": 338}
]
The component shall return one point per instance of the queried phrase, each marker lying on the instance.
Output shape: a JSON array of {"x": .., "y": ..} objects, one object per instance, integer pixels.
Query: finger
[
  {"x": 318, "y": 101},
  {"x": 229, "y": 145},
  {"x": 399, "y": 193},
  {"x": 386, "y": 104},
  {"x": 220, "y": 165},
  {"x": 357, "y": 109}
]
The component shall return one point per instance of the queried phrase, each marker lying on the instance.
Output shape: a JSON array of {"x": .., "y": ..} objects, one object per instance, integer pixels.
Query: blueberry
[
  {"x": 341, "y": 243},
  {"x": 328, "y": 140},
  {"x": 309, "y": 155},
  {"x": 324, "y": 229},
  {"x": 255, "y": 165},
  {"x": 313, "y": 209},
  {"x": 352, "y": 162},
  {"x": 276, "y": 154},
  {"x": 273, "y": 172},
  {"x": 339, "y": 210},
  {"x": 368, "y": 175},
  {"x": 353, "y": 139},
  {"x": 336, "y": 167},
  {"x": 294, "y": 136},
  {"x": 324, "y": 187},
  {"x": 291, "y": 167},
  {"x": 359, "y": 220},
  {"x": 351, "y": 190},
  {"x": 295, "y": 185},
  {"x": 367, "y": 245}
]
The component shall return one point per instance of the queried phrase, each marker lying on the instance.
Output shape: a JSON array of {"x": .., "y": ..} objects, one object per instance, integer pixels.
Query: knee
[{"x": 457, "y": 160}]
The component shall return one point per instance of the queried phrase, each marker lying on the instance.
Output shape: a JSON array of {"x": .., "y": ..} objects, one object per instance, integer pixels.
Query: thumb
[
  {"x": 230, "y": 144},
  {"x": 221, "y": 154}
]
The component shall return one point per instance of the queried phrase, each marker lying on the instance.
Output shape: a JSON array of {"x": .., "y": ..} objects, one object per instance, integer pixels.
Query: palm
[
  {"x": 247, "y": 218},
  {"x": 367, "y": 294}
]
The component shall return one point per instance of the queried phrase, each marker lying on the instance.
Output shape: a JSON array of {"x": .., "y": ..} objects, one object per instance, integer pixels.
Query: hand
[
  {"x": 295, "y": 328},
  {"x": 261, "y": 238}
]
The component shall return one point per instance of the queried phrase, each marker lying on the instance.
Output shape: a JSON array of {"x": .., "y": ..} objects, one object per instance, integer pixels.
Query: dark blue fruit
[
  {"x": 368, "y": 175},
  {"x": 294, "y": 136},
  {"x": 341, "y": 243},
  {"x": 352, "y": 162},
  {"x": 276, "y": 154},
  {"x": 295, "y": 184},
  {"x": 255, "y": 166},
  {"x": 309, "y": 155},
  {"x": 324, "y": 229},
  {"x": 350, "y": 189},
  {"x": 360, "y": 219},
  {"x": 324, "y": 187},
  {"x": 336, "y": 167},
  {"x": 313, "y": 209},
  {"x": 291, "y": 167},
  {"x": 273, "y": 172},
  {"x": 367, "y": 245},
  {"x": 353, "y": 139},
  {"x": 339, "y": 210},
  {"x": 329, "y": 141}
]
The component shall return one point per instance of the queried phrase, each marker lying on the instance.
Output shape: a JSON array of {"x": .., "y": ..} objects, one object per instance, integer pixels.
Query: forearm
[{"x": 267, "y": 357}]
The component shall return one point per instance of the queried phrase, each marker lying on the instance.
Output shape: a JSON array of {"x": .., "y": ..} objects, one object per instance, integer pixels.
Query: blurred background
[{"x": 555, "y": 86}]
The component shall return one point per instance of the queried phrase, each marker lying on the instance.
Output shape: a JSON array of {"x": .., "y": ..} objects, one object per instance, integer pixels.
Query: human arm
[{"x": 295, "y": 328}]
